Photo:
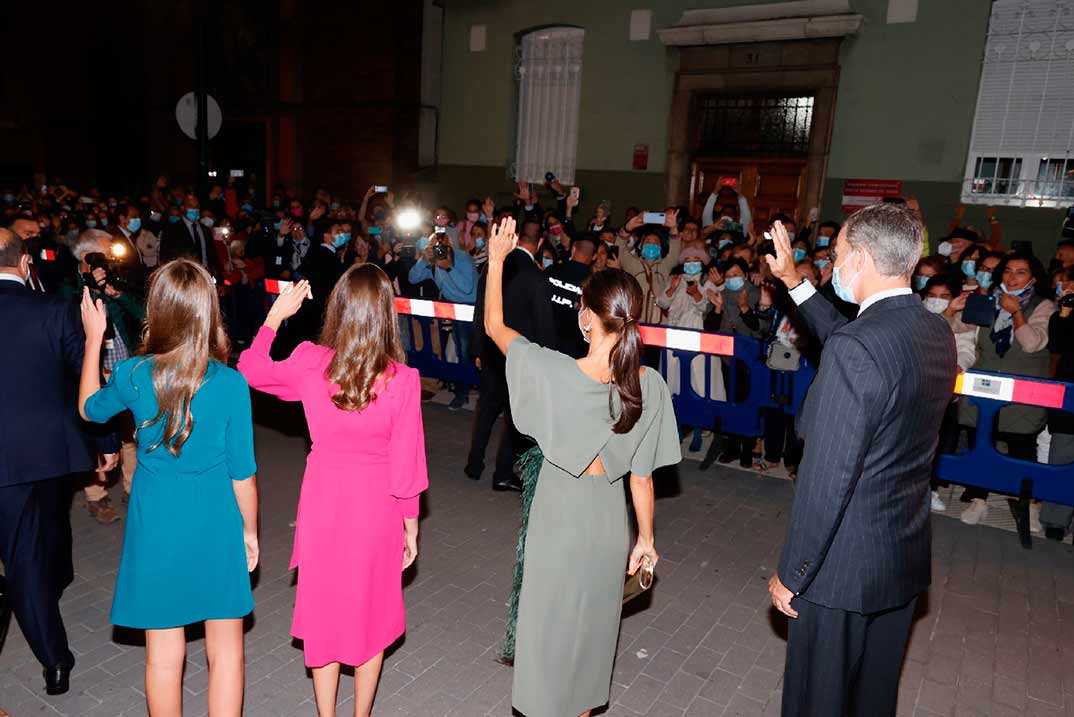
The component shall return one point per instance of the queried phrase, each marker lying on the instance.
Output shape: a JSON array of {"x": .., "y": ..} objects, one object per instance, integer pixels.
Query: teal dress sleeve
[
  {"x": 115, "y": 396},
  {"x": 239, "y": 438},
  {"x": 659, "y": 446}
]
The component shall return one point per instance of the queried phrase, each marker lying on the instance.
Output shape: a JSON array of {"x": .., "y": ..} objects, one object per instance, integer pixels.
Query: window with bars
[
  {"x": 1022, "y": 148},
  {"x": 548, "y": 69},
  {"x": 754, "y": 125}
]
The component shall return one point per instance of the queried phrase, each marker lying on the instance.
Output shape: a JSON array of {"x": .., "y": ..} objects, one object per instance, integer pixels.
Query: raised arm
[
  {"x": 820, "y": 316},
  {"x": 501, "y": 243},
  {"x": 255, "y": 363}
]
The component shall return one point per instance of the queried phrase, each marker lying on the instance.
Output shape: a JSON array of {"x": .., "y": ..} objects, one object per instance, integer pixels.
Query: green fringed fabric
[{"x": 530, "y": 463}]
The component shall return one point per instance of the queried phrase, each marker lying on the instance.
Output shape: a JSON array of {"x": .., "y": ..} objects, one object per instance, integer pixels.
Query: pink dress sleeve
[
  {"x": 408, "y": 473},
  {"x": 278, "y": 378}
]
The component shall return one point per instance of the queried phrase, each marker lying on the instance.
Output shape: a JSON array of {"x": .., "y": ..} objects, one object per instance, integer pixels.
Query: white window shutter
[{"x": 549, "y": 73}]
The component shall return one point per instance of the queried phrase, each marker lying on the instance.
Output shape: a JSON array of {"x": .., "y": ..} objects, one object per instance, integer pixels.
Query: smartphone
[
  {"x": 576, "y": 192},
  {"x": 237, "y": 173},
  {"x": 380, "y": 188},
  {"x": 653, "y": 217},
  {"x": 613, "y": 251},
  {"x": 980, "y": 310}
]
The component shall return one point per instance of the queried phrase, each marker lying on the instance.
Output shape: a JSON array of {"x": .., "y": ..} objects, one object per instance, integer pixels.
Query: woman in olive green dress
[{"x": 595, "y": 419}]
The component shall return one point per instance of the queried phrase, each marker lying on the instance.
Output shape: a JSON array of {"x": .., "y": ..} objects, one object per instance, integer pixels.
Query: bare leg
[
  {"x": 366, "y": 678},
  {"x": 325, "y": 687},
  {"x": 165, "y": 655},
  {"x": 224, "y": 650}
]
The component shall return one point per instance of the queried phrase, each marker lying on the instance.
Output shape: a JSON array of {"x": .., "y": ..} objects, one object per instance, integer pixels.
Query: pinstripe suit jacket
[{"x": 859, "y": 536}]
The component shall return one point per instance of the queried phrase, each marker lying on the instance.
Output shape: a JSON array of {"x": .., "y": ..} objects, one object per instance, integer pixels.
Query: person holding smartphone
[{"x": 196, "y": 450}]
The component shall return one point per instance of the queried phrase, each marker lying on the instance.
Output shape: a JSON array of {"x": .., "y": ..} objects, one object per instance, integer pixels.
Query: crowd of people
[{"x": 167, "y": 274}]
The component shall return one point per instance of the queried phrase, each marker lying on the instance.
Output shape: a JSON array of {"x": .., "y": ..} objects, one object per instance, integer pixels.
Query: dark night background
[{"x": 312, "y": 92}]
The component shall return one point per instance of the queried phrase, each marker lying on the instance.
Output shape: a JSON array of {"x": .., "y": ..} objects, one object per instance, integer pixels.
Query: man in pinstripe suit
[{"x": 858, "y": 548}]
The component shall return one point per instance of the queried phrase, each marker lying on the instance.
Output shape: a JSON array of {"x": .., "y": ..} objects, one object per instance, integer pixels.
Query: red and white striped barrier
[
  {"x": 434, "y": 309},
  {"x": 1012, "y": 390},
  {"x": 278, "y": 286},
  {"x": 48, "y": 255}
]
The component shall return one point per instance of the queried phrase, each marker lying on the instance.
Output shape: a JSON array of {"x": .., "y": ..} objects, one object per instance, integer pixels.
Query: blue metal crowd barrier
[{"x": 765, "y": 389}]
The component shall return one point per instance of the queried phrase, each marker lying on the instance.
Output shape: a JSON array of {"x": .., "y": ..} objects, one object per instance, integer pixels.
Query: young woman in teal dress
[
  {"x": 191, "y": 535},
  {"x": 595, "y": 419}
]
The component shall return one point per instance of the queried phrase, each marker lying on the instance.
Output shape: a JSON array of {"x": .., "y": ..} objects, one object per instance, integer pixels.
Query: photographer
[
  {"x": 455, "y": 276},
  {"x": 93, "y": 250}
]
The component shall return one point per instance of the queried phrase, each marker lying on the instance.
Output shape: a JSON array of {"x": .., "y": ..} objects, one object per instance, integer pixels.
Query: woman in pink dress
[{"x": 357, "y": 525}]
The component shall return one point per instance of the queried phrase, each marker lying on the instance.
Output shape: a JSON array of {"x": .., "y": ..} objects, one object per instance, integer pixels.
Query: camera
[
  {"x": 113, "y": 272},
  {"x": 441, "y": 252},
  {"x": 1067, "y": 302}
]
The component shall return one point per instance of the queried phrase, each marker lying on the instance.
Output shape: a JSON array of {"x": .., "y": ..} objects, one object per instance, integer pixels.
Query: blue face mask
[
  {"x": 650, "y": 252},
  {"x": 546, "y": 262},
  {"x": 91, "y": 223},
  {"x": 844, "y": 291},
  {"x": 984, "y": 279},
  {"x": 920, "y": 282},
  {"x": 73, "y": 234},
  {"x": 824, "y": 241},
  {"x": 374, "y": 231},
  {"x": 479, "y": 243},
  {"x": 735, "y": 283},
  {"x": 724, "y": 243},
  {"x": 104, "y": 222},
  {"x": 821, "y": 263},
  {"x": 969, "y": 268},
  {"x": 134, "y": 224},
  {"x": 173, "y": 218},
  {"x": 193, "y": 214},
  {"x": 799, "y": 255},
  {"x": 1059, "y": 289},
  {"x": 340, "y": 240},
  {"x": 276, "y": 225},
  {"x": 247, "y": 207},
  {"x": 692, "y": 268},
  {"x": 1005, "y": 290}
]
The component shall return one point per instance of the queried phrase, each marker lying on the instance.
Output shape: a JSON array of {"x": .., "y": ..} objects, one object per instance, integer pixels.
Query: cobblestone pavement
[{"x": 996, "y": 636}]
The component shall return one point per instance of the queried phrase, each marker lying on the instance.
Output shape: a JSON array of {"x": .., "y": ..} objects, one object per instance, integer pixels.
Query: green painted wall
[{"x": 904, "y": 108}]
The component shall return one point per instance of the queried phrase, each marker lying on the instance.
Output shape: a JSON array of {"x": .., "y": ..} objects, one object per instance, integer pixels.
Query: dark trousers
[
  {"x": 844, "y": 663},
  {"x": 780, "y": 441},
  {"x": 491, "y": 401},
  {"x": 1019, "y": 445},
  {"x": 35, "y": 547}
]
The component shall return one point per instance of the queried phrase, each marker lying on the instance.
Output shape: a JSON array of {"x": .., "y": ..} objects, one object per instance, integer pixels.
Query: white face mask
[
  {"x": 936, "y": 305},
  {"x": 584, "y": 328}
]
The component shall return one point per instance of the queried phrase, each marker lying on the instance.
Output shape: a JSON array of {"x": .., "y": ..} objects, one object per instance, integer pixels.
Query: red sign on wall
[
  {"x": 641, "y": 156},
  {"x": 858, "y": 193}
]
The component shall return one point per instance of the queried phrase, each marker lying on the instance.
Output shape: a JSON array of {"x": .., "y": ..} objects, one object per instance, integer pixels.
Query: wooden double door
[{"x": 772, "y": 185}]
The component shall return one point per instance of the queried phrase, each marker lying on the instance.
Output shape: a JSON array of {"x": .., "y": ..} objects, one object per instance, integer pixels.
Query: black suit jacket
[
  {"x": 527, "y": 307},
  {"x": 176, "y": 241},
  {"x": 42, "y": 436},
  {"x": 859, "y": 536}
]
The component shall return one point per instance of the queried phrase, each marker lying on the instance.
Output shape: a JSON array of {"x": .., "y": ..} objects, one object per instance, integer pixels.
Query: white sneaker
[
  {"x": 1034, "y": 518},
  {"x": 976, "y": 512},
  {"x": 938, "y": 506}
]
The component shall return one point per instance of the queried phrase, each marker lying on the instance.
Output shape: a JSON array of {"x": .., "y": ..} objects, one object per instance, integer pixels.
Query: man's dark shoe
[
  {"x": 58, "y": 678},
  {"x": 512, "y": 483},
  {"x": 471, "y": 473}
]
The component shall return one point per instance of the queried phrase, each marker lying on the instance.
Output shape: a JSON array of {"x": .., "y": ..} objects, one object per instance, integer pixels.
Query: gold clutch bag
[{"x": 639, "y": 582}]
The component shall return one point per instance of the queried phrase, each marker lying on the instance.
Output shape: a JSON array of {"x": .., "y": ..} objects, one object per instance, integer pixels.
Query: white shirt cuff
[{"x": 803, "y": 293}]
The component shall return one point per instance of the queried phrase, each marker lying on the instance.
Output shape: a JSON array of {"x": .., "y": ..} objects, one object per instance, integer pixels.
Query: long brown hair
[
  {"x": 183, "y": 330},
  {"x": 361, "y": 326},
  {"x": 614, "y": 297}
]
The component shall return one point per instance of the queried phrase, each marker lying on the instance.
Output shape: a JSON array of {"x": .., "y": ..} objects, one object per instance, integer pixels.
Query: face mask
[
  {"x": 104, "y": 222},
  {"x": 944, "y": 249},
  {"x": 969, "y": 267},
  {"x": 1005, "y": 290},
  {"x": 193, "y": 214},
  {"x": 479, "y": 243},
  {"x": 173, "y": 218},
  {"x": 724, "y": 243},
  {"x": 90, "y": 223},
  {"x": 735, "y": 283},
  {"x": 984, "y": 279},
  {"x": 1059, "y": 289},
  {"x": 247, "y": 207},
  {"x": 844, "y": 289},
  {"x": 9, "y": 198},
  {"x": 597, "y": 227},
  {"x": 821, "y": 263},
  {"x": 546, "y": 262},
  {"x": 340, "y": 240},
  {"x": 297, "y": 213},
  {"x": 420, "y": 244},
  {"x": 799, "y": 255},
  {"x": 207, "y": 222},
  {"x": 73, "y": 234},
  {"x": 134, "y": 224},
  {"x": 374, "y": 231},
  {"x": 583, "y": 328},
  {"x": 936, "y": 305},
  {"x": 472, "y": 216},
  {"x": 920, "y": 282},
  {"x": 276, "y": 225},
  {"x": 650, "y": 252},
  {"x": 692, "y": 268},
  {"x": 824, "y": 241}
]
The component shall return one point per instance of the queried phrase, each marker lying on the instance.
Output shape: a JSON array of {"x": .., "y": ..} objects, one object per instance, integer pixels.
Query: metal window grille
[{"x": 754, "y": 125}]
